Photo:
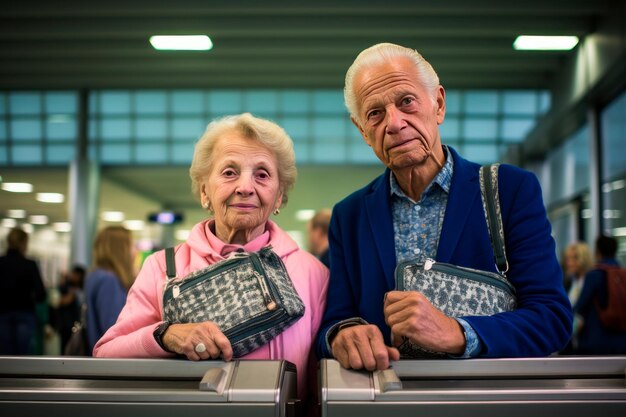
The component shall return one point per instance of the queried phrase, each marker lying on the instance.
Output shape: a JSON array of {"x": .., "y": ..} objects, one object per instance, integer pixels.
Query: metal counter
[
  {"x": 554, "y": 386},
  {"x": 72, "y": 386}
]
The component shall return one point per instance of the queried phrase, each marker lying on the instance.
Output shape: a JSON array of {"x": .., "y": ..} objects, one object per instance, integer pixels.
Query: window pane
[
  {"x": 614, "y": 130},
  {"x": 361, "y": 153},
  {"x": 545, "y": 102},
  {"x": 182, "y": 152},
  {"x": 26, "y": 154},
  {"x": 302, "y": 152},
  {"x": 25, "y": 103},
  {"x": 482, "y": 154},
  {"x": 480, "y": 129},
  {"x": 453, "y": 102},
  {"x": 115, "y": 129},
  {"x": 514, "y": 130},
  {"x": 61, "y": 102},
  {"x": 150, "y": 128},
  {"x": 324, "y": 153},
  {"x": 59, "y": 154},
  {"x": 150, "y": 102},
  {"x": 191, "y": 102},
  {"x": 329, "y": 129},
  {"x": 263, "y": 103},
  {"x": 296, "y": 127},
  {"x": 188, "y": 128},
  {"x": 3, "y": 107},
  {"x": 223, "y": 102},
  {"x": 151, "y": 153},
  {"x": 3, "y": 155},
  {"x": 520, "y": 102},
  {"x": 330, "y": 101},
  {"x": 26, "y": 129},
  {"x": 118, "y": 153},
  {"x": 449, "y": 129},
  {"x": 294, "y": 102},
  {"x": 481, "y": 102},
  {"x": 61, "y": 127},
  {"x": 115, "y": 102}
]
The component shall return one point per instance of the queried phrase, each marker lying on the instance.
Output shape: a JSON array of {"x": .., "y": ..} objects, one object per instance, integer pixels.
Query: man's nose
[{"x": 395, "y": 120}]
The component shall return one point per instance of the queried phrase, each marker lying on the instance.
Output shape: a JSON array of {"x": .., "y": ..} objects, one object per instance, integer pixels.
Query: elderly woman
[{"x": 241, "y": 172}]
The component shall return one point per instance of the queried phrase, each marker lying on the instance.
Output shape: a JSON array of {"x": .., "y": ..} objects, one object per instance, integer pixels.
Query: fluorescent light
[
  {"x": 182, "y": 234},
  {"x": 619, "y": 231},
  {"x": 63, "y": 227},
  {"x": 181, "y": 43},
  {"x": 9, "y": 223},
  {"x": 113, "y": 216},
  {"x": 16, "y": 214},
  {"x": 545, "y": 43},
  {"x": 28, "y": 228},
  {"x": 305, "y": 215},
  {"x": 134, "y": 224},
  {"x": 50, "y": 197},
  {"x": 38, "y": 219},
  {"x": 17, "y": 187}
]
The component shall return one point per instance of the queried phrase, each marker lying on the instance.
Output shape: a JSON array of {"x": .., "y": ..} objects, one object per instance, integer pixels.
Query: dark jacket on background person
[
  {"x": 594, "y": 338},
  {"x": 21, "y": 286}
]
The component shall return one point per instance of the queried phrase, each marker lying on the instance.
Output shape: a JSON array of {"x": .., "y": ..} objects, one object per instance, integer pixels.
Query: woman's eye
[
  {"x": 263, "y": 175},
  {"x": 229, "y": 173}
]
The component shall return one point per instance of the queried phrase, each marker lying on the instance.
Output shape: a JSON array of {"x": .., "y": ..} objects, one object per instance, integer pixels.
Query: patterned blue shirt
[{"x": 417, "y": 228}]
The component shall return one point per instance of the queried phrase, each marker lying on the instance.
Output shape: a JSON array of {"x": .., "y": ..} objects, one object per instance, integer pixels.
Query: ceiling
[{"x": 271, "y": 44}]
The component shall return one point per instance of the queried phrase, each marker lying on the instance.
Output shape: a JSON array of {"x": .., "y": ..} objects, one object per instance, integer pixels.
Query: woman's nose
[{"x": 244, "y": 185}]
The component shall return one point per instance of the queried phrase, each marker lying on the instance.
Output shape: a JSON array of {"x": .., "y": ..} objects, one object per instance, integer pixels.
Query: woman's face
[
  {"x": 242, "y": 187},
  {"x": 572, "y": 263}
]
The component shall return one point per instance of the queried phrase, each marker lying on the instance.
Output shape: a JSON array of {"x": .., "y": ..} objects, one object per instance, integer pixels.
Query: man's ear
[
  {"x": 361, "y": 131},
  {"x": 441, "y": 104}
]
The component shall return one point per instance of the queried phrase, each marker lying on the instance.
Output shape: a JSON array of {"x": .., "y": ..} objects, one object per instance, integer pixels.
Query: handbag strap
[
  {"x": 170, "y": 264},
  {"x": 493, "y": 215}
]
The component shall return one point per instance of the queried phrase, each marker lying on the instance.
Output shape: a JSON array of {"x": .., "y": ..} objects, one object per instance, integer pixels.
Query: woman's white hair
[
  {"x": 378, "y": 54},
  {"x": 267, "y": 133}
]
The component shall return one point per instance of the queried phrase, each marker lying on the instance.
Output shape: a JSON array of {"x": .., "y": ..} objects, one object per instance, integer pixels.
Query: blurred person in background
[
  {"x": 21, "y": 288},
  {"x": 71, "y": 299},
  {"x": 594, "y": 337},
  {"x": 318, "y": 235},
  {"x": 108, "y": 282},
  {"x": 577, "y": 261}
]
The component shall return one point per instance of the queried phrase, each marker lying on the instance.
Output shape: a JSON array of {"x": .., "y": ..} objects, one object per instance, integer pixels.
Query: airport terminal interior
[{"x": 97, "y": 126}]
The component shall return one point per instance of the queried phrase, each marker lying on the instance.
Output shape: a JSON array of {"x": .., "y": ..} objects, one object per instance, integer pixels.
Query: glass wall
[
  {"x": 149, "y": 127},
  {"x": 613, "y": 125}
]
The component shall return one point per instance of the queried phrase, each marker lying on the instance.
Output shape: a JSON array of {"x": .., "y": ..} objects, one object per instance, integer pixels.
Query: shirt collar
[
  {"x": 443, "y": 178},
  {"x": 224, "y": 249}
]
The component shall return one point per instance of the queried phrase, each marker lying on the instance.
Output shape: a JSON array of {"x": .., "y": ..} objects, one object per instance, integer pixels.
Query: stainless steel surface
[
  {"x": 576, "y": 386},
  {"x": 34, "y": 386}
]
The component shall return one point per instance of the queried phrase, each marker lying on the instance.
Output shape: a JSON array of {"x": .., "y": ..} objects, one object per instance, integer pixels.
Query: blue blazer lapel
[
  {"x": 378, "y": 210},
  {"x": 464, "y": 191}
]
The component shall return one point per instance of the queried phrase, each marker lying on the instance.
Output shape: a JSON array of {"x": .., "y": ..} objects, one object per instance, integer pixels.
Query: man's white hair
[{"x": 378, "y": 54}]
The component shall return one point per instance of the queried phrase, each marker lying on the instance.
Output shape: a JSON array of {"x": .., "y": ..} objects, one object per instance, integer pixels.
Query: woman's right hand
[{"x": 183, "y": 339}]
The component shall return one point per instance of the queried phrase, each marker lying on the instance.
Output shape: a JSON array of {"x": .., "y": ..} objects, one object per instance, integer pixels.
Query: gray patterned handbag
[
  {"x": 459, "y": 291},
  {"x": 249, "y": 296}
]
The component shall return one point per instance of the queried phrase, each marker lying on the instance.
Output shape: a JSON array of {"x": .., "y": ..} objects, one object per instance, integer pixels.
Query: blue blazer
[{"x": 362, "y": 259}]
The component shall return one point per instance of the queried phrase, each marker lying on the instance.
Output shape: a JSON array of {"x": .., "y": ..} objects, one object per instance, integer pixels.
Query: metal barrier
[
  {"x": 71, "y": 386},
  {"x": 554, "y": 386}
]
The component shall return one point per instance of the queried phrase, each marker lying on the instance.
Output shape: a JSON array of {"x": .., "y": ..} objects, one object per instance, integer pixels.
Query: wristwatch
[{"x": 159, "y": 332}]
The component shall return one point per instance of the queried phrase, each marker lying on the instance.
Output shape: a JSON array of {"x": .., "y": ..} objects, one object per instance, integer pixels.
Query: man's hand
[
  {"x": 363, "y": 346},
  {"x": 411, "y": 315}
]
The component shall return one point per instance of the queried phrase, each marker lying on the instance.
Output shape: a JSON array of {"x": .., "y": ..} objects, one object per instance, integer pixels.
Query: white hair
[{"x": 377, "y": 54}]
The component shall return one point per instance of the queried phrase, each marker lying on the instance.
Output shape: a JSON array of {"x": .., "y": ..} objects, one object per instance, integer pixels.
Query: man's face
[{"x": 397, "y": 116}]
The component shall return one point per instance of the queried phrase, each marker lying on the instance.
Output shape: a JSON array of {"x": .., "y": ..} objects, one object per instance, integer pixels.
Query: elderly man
[{"x": 427, "y": 205}]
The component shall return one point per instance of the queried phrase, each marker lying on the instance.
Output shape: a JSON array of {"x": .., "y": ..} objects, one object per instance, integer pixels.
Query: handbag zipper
[
  {"x": 469, "y": 274},
  {"x": 255, "y": 325}
]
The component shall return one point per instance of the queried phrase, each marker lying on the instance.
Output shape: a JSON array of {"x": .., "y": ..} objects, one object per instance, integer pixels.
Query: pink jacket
[{"x": 131, "y": 336}]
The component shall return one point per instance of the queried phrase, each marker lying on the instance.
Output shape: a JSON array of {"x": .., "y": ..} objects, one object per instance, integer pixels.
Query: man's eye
[
  {"x": 373, "y": 113},
  {"x": 407, "y": 100}
]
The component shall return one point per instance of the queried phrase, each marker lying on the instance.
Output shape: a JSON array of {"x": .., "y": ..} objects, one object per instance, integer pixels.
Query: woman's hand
[{"x": 184, "y": 339}]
